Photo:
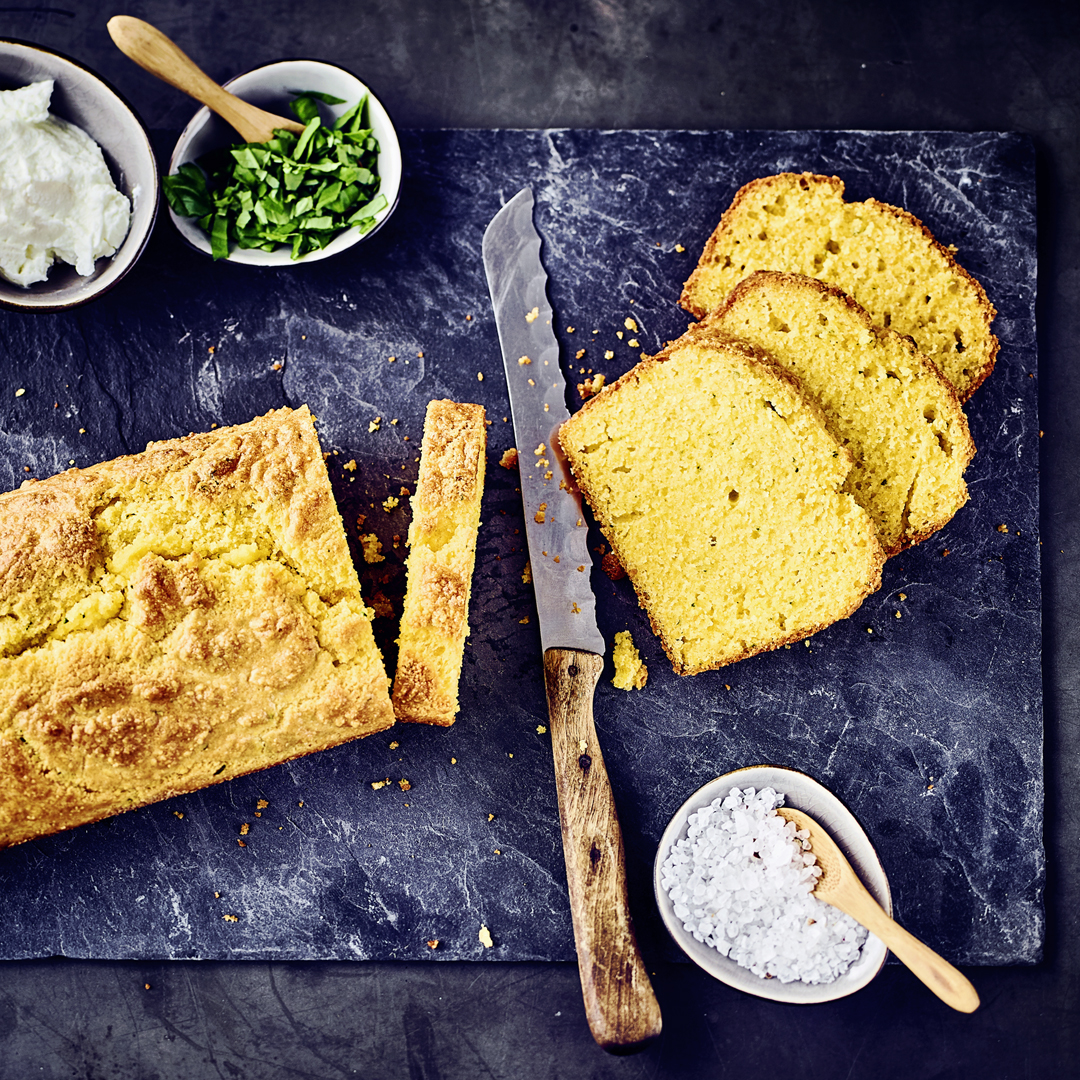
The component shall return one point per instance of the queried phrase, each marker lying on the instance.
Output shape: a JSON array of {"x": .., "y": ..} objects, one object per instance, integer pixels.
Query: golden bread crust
[
  {"x": 880, "y": 254},
  {"x": 173, "y": 619},
  {"x": 442, "y": 553}
]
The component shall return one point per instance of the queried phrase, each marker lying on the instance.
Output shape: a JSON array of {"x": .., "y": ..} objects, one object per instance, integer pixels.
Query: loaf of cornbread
[
  {"x": 718, "y": 485},
  {"x": 442, "y": 552},
  {"x": 882, "y": 398},
  {"x": 879, "y": 254},
  {"x": 173, "y": 619}
]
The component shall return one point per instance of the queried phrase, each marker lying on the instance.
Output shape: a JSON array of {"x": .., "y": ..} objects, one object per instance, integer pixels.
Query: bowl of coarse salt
[{"x": 733, "y": 886}]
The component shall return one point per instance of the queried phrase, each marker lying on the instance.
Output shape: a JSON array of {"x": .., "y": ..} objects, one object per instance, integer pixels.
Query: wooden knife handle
[{"x": 620, "y": 1005}]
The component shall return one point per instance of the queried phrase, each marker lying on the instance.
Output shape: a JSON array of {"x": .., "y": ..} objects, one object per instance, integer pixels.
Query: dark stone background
[{"x": 969, "y": 67}]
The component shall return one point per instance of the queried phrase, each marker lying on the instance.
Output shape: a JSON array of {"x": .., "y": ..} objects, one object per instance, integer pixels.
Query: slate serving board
[{"x": 923, "y": 712}]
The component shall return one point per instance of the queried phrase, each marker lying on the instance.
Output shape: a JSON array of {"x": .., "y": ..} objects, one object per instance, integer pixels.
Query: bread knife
[{"x": 620, "y": 1005}]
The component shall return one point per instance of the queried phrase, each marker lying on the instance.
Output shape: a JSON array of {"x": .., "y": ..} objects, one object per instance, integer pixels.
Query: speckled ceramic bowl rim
[
  {"x": 196, "y": 239},
  {"x": 116, "y": 266},
  {"x": 806, "y": 794}
]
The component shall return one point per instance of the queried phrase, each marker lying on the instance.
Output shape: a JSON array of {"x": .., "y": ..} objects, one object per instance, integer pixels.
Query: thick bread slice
[
  {"x": 718, "y": 485},
  {"x": 173, "y": 619},
  {"x": 442, "y": 552},
  {"x": 880, "y": 254},
  {"x": 882, "y": 398}
]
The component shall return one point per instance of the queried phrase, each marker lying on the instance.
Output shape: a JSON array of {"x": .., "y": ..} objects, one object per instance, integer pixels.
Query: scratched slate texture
[{"x": 923, "y": 712}]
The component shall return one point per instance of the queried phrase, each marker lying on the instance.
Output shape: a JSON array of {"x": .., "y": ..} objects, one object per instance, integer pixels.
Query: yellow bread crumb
[{"x": 630, "y": 672}]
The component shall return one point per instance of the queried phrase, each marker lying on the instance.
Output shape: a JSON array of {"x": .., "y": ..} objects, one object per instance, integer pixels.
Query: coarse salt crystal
[{"x": 741, "y": 881}]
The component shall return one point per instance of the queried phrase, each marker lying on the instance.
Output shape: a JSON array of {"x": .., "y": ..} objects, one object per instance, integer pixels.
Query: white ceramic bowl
[
  {"x": 272, "y": 87},
  {"x": 806, "y": 794},
  {"x": 85, "y": 99}
]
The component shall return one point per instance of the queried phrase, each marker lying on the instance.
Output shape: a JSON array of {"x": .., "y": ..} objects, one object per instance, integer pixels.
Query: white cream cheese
[{"x": 57, "y": 199}]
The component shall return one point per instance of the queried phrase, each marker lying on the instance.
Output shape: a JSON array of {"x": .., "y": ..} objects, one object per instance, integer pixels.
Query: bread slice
[
  {"x": 882, "y": 398},
  {"x": 879, "y": 254},
  {"x": 442, "y": 551},
  {"x": 173, "y": 619},
  {"x": 719, "y": 487}
]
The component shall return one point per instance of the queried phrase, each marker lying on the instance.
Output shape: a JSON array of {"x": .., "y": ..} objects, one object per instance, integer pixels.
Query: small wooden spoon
[
  {"x": 151, "y": 49},
  {"x": 840, "y": 886}
]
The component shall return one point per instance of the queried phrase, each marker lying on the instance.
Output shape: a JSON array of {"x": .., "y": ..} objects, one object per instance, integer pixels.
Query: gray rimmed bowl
[
  {"x": 83, "y": 98},
  {"x": 806, "y": 794},
  {"x": 272, "y": 87}
]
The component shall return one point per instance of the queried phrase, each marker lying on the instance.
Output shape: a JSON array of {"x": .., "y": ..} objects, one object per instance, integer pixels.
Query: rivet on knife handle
[{"x": 620, "y": 1005}]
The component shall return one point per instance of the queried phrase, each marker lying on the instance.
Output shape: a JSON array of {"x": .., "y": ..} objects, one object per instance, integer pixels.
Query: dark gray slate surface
[{"x": 930, "y": 727}]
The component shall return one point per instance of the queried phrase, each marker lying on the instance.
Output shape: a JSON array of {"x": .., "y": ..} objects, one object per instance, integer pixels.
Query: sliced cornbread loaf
[
  {"x": 173, "y": 619},
  {"x": 880, "y": 254},
  {"x": 442, "y": 551},
  {"x": 718, "y": 485},
  {"x": 882, "y": 398}
]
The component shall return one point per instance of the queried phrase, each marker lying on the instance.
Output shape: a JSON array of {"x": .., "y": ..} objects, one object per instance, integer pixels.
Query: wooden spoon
[
  {"x": 151, "y": 49},
  {"x": 840, "y": 886}
]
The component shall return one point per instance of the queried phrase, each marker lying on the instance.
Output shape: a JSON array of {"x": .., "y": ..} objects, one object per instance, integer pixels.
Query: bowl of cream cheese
[{"x": 79, "y": 187}]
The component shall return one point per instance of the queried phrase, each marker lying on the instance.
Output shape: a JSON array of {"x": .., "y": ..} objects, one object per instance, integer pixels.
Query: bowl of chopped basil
[{"x": 298, "y": 197}]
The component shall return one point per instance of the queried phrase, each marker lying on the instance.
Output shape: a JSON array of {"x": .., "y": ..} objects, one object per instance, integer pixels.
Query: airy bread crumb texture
[
  {"x": 718, "y": 485},
  {"x": 881, "y": 255},
  {"x": 442, "y": 552},
  {"x": 882, "y": 399},
  {"x": 176, "y": 618}
]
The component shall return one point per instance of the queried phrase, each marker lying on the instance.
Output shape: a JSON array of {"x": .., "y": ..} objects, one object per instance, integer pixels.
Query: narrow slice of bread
[
  {"x": 442, "y": 551},
  {"x": 882, "y": 399},
  {"x": 173, "y": 619},
  {"x": 718, "y": 485},
  {"x": 880, "y": 254}
]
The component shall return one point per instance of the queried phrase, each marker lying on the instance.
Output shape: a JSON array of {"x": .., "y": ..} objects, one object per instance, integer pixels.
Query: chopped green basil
[{"x": 294, "y": 190}]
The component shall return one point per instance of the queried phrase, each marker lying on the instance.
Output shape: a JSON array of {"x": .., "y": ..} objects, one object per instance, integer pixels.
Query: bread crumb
[
  {"x": 1003, "y": 528},
  {"x": 608, "y": 354},
  {"x": 479, "y": 376},
  {"x": 394, "y": 744},
  {"x": 591, "y": 386},
  {"x": 245, "y": 828},
  {"x": 634, "y": 343},
  {"x": 433, "y": 943},
  {"x": 525, "y": 621},
  {"x": 372, "y": 548},
  {"x": 390, "y": 502},
  {"x": 378, "y": 785},
  {"x": 539, "y": 450},
  {"x": 569, "y": 329},
  {"x": 612, "y": 567},
  {"x": 374, "y": 425},
  {"x": 540, "y": 514},
  {"x": 541, "y": 729},
  {"x": 453, "y": 761},
  {"x": 350, "y": 466},
  {"x": 630, "y": 672},
  {"x": 526, "y": 574},
  {"x": 485, "y": 937},
  {"x": 20, "y": 392},
  {"x": 679, "y": 248},
  {"x": 391, "y": 359},
  {"x": 404, "y": 784},
  {"x": 524, "y": 360},
  {"x": 230, "y": 918},
  {"x": 532, "y": 316},
  {"x": 902, "y": 597}
]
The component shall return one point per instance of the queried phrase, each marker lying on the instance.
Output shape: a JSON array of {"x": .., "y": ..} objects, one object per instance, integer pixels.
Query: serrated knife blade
[
  {"x": 554, "y": 524},
  {"x": 620, "y": 1005}
]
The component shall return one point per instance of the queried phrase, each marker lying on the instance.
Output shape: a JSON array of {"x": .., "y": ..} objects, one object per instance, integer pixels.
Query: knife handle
[{"x": 620, "y": 1005}]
